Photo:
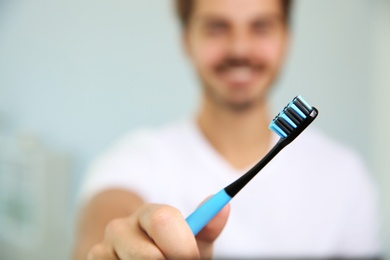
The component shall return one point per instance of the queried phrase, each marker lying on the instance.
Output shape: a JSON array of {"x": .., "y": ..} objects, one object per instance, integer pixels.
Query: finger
[
  {"x": 211, "y": 231},
  {"x": 129, "y": 241},
  {"x": 102, "y": 251},
  {"x": 214, "y": 228},
  {"x": 167, "y": 227}
]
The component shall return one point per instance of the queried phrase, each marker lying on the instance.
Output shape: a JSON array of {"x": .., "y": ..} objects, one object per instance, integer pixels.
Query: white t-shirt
[{"x": 314, "y": 199}]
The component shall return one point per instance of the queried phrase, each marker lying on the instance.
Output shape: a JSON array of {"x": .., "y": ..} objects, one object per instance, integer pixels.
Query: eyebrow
[
  {"x": 257, "y": 18},
  {"x": 273, "y": 17}
]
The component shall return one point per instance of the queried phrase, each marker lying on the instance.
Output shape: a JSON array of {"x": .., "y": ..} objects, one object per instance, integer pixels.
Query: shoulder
[
  {"x": 141, "y": 148},
  {"x": 134, "y": 159}
]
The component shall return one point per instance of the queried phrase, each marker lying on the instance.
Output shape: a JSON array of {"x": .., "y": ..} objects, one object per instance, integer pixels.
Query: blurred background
[{"x": 76, "y": 75}]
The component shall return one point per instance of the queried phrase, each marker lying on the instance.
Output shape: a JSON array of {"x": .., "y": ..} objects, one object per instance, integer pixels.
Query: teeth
[{"x": 240, "y": 74}]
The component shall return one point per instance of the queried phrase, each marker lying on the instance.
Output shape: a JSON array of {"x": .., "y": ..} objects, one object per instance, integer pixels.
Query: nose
[{"x": 240, "y": 44}]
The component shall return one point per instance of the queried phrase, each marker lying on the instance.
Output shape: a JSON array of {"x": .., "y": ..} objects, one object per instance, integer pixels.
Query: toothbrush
[{"x": 288, "y": 124}]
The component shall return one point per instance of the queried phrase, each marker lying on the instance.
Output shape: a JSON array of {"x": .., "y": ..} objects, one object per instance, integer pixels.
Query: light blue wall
[
  {"x": 81, "y": 73},
  {"x": 381, "y": 104}
]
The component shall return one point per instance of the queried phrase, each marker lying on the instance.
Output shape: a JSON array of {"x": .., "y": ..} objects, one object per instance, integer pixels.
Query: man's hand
[{"x": 157, "y": 232}]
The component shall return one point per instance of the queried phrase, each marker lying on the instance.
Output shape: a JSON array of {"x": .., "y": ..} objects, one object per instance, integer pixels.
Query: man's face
[{"x": 237, "y": 47}]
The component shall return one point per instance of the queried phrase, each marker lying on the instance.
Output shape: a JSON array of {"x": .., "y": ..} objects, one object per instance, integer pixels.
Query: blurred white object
[{"x": 34, "y": 199}]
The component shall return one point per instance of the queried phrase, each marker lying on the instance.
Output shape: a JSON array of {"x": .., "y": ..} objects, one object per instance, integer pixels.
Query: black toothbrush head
[
  {"x": 288, "y": 124},
  {"x": 293, "y": 119}
]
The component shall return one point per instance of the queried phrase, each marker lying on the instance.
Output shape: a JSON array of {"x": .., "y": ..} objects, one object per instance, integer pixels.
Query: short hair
[{"x": 184, "y": 10}]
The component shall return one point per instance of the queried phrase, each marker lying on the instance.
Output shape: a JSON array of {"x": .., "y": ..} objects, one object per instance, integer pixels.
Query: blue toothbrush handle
[{"x": 202, "y": 215}]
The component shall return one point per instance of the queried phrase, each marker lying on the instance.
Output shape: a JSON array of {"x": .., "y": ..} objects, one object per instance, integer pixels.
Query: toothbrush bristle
[{"x": 291, "y": 117}]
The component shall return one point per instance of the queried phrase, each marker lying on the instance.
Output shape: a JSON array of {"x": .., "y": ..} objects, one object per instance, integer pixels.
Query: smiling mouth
[{"x": 239, "y": 76}]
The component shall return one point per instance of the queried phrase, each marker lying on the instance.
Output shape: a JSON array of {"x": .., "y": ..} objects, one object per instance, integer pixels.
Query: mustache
[{"x": 232, "y": 62}]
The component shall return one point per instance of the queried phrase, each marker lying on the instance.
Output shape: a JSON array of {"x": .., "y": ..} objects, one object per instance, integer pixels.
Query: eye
[
  {"x": 216, "y": 27},
  {"x": 262, "y": 27}
]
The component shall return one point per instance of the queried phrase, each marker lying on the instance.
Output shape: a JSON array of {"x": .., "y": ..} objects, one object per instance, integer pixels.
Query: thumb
[{"x": 211, "y": 231}]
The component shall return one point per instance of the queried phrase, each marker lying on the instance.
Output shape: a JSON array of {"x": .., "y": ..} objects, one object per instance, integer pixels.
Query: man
[{"x": 313, "y": 200}]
